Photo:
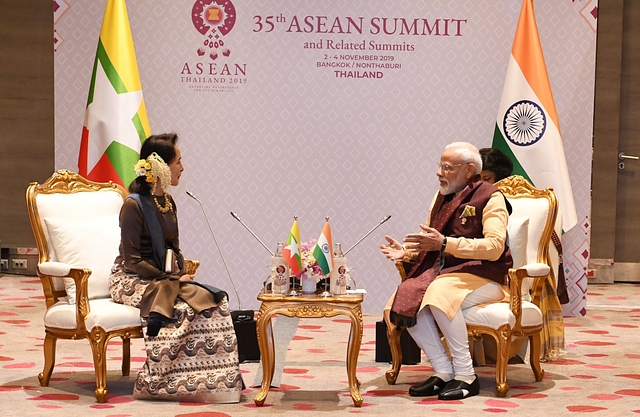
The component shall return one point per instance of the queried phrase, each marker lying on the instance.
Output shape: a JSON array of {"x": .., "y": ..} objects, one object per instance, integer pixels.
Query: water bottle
[
  {"x": 280, "y": 284},
  {"x": 337, "y": 277}
]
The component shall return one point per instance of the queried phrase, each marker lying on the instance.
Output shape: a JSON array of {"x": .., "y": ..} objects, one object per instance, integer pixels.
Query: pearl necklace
[{"x": 168, "y": 206}]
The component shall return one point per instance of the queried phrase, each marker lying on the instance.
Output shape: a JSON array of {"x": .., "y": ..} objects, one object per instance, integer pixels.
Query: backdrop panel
[{"x": 327, "y": 108}]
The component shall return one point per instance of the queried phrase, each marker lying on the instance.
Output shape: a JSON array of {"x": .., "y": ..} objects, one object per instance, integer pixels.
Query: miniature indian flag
[{"x": 322, "y": 251}]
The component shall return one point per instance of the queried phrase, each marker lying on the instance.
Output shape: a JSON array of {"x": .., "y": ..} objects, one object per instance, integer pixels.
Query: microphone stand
[
  {"x": 370, "y": 231},
  {"x": 235, "y": 216},
  {"x": 242, "y": 315}
]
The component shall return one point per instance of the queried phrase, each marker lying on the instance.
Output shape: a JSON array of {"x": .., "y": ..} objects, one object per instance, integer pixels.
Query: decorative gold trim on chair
[
  {"x": 191, "y": 265},
  {"x": 513, "y": 187}
]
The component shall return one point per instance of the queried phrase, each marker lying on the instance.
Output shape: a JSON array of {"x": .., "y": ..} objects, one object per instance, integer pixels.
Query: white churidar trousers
[{"x": 425, "y": 333}]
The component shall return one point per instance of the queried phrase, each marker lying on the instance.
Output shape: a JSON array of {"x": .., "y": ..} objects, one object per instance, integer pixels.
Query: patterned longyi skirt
[{"x": 194, "y": 358}]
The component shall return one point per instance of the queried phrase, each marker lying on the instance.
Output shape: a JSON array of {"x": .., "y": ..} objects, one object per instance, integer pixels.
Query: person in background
[
  {"x": 191, "y": 345},
  {"x": 495, "y": 165}
]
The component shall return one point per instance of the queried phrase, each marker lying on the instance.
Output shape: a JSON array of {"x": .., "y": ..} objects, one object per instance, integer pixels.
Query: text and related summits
[{"x": 381, "y": 42}]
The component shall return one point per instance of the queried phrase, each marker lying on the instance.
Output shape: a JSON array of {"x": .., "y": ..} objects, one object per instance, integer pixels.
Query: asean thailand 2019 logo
[{"x": 214, "y": 19}]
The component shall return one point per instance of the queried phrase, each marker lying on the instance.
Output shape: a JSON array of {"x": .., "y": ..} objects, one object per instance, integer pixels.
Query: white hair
[{"x": 468, "y": 153}]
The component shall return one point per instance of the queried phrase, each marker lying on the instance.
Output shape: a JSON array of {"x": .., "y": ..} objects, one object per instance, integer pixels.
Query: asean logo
[
  {"x": 524, "y": 123},
  {"x": 214, "y": 19}
]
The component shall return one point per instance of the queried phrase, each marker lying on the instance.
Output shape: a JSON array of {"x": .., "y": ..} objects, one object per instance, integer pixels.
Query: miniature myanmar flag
[
  {"x": 291, "y": 251},
  {"x": 527, "y": 128},
  {"x": 322, "y": 251},
  {"x": 115, "y": 123}
]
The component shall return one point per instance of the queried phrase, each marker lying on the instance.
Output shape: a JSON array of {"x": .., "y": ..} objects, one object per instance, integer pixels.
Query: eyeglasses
[{"x": 447, "y": 167}]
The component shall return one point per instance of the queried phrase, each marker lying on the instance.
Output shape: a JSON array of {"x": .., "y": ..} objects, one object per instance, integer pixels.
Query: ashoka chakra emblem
[{"x": 524, "y": 123}]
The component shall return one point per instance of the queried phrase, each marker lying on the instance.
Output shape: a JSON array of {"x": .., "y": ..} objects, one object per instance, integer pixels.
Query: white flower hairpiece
[
  {"x": 154, "y": 168},
  {"x": 143, "y": 169}
]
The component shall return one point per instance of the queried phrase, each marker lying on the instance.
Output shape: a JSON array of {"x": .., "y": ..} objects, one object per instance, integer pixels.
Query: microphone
[
  {"x": 370, "y": 231},
  {"x": 190, "y": 194},
  {"x": 235, "y": 216}
]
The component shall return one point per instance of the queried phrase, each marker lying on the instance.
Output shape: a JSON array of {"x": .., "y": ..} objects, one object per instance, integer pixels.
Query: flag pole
[
  {"x": 292, "y": 282},
  {"x": 326, "y": 293}
]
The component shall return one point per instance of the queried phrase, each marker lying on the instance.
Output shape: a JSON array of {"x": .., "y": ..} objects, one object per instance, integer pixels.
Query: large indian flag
[
  {"x": 527, "y": 127},
  {"x": 115, "y": 123},
  {"x": 322, "y": 251}
]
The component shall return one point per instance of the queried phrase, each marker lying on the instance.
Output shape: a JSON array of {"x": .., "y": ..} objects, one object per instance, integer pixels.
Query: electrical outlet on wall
[
  {"x": 4, "y": 264},
  {"x": 19, "y": 263}
]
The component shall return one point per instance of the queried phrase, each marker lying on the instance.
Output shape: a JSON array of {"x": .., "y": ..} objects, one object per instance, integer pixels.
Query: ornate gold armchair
[
  {"x": 530, "y": 226},
  {"x": 76, "y": 228}
]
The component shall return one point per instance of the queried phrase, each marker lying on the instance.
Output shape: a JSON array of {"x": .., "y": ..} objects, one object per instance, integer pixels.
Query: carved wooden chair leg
[
  {"x": 503, "y": 342},
  {"x": 393, "y": 336},
  {"x": 49, "y": 359},
  {"x": 534, "y": 358},
  {"x": 126, "y": 356},
  {"x": 98, "y": 343},
  {"x": 476, "y": 345}
]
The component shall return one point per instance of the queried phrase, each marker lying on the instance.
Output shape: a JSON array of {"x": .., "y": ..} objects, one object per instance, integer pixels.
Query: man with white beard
[{"x": 459, "y": 259}]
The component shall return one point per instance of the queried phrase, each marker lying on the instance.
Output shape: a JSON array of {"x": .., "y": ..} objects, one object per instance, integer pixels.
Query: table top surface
[{"x": 311, "y": 298}]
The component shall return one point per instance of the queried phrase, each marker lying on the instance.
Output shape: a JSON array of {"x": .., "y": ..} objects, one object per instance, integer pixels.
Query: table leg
[
  {"x": 353, "y": 349},
  {"x": 267, "y": 354}
]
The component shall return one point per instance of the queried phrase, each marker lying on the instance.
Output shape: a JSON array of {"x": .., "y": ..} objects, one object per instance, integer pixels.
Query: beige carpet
[{"x": 600, "y": 372}]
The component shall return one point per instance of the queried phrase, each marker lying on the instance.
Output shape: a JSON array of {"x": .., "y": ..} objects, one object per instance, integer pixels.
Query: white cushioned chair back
[
  {"x": 74, "y": 207},
  {"x": 517, "y": 233},
  {"x": 537, "y": 211}
]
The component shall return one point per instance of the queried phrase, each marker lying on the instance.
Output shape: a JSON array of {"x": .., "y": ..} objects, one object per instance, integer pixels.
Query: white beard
[{"x": 453, "y": 187}]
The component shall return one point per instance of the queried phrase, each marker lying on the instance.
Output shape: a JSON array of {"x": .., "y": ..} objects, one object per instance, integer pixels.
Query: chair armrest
[
  {"x": 191, "y": 266},
  {"x": 536, "y": 270},
  {"x": 516, "y": 275},
  {"x": 401, "y": 270},
  {"x": 47, "y": 271},
  {"x": 55, "y": 269}
]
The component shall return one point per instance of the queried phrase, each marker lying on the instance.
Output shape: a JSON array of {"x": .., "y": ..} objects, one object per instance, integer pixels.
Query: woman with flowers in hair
[{"x": 190, "y": 341}]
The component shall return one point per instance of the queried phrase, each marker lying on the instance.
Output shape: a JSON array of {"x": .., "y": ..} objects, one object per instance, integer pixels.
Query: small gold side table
[{"x": 308, "y": 306}]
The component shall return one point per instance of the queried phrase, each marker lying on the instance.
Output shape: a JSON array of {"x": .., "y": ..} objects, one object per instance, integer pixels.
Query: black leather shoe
[
  {"x": 457, "y": 390},
  {"x": 431, "y": 386}
]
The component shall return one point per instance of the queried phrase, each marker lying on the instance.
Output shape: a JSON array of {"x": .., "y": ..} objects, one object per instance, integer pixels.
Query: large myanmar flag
[
  {"x": 322, "y": 251},
  {"x": 291, "y": 251},
  {"x": 115, "y": 123},
  {"x": 527, "y": 127}
]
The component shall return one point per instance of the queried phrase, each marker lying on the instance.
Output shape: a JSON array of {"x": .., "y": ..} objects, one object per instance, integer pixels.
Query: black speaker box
[
  {"x": 245, "y": 327},
  {"x": 410, "y": 350}
]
